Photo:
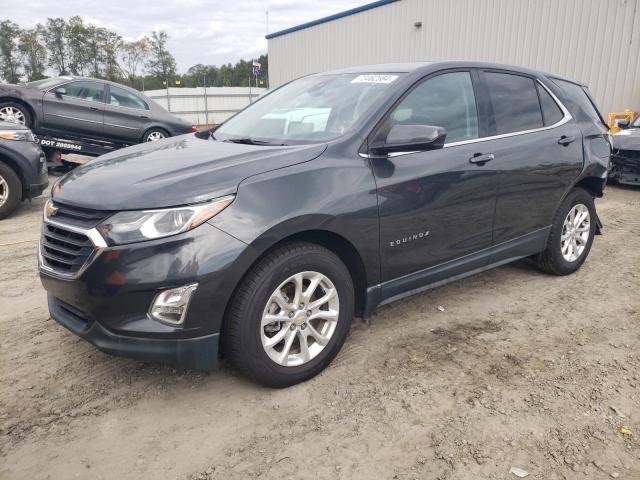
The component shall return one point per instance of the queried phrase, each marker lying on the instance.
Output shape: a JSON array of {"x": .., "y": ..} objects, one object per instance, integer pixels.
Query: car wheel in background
[
  {"x": 154, "y": 135},
  {"x": 15, "y": 113},
  {"x": 571, "y": 234},
  {"x": 290, "y": 316},
  {"x": 10, "y": 190}
]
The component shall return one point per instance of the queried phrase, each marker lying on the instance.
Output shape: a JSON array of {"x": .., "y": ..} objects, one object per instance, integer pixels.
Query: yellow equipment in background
[{"x": 626, "y": 115}]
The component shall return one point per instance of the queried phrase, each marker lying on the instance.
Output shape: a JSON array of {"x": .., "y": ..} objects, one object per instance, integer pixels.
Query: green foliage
[
  {"x": 74, "y": 47},
  {"x": 10, "y": 55}
]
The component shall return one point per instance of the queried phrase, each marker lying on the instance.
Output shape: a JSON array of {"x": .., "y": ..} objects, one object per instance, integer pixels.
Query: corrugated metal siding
[
  {"x": 189, "y": 103},
  {"x": 594, "y": 41}
]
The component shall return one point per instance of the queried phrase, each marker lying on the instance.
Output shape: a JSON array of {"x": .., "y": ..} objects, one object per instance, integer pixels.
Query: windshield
[
  {"x": 46, "y": 83},
  {"x": 311, "y": 109},
  {"x": 636, "y": 122}
]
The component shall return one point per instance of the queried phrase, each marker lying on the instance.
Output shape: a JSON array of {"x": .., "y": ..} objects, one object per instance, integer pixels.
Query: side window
[
  {"x": 515, "y": 102},
  {"x": 84, "y": 90},
  {"x": 122, "y": 98},
  {"x": 551, "y": 112},
  {"x": 443, "y": 101}
]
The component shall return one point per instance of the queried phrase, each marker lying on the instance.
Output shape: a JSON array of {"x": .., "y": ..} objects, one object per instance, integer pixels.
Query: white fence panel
[{"x": 192, "y": 105}]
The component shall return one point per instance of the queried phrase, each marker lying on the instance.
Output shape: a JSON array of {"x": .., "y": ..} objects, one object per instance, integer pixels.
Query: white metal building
[
  {"x": 192, "y": 105},
  {"x": 594, "y": 41}
]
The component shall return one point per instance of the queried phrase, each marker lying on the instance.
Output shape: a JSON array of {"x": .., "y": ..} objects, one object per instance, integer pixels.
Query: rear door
[
  {"x": 435, "y": 206},
  {"x": 125, "y": 115},
  {"x": 75, "y": 109},
  {"x": 538, "y": 154}
]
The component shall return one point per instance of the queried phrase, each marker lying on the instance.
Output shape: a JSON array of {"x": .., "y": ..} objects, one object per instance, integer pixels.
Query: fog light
[{"x": 170, "y": 306}]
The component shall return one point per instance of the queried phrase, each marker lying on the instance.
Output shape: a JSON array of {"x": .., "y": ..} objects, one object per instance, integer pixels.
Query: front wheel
[
  {"x": 290, "y": 316},
  {"x": 13, "y": 112},
  {"x": 571, "y": 235},
  {"x": 10, "y": 191}
]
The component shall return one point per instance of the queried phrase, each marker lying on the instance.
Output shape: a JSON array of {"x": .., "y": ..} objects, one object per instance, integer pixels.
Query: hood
[
  {"x": 628, "y": 139},
  {"x": 171, "y": 172}
]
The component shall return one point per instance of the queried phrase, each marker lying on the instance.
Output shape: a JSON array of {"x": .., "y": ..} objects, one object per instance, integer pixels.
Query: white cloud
[{"x": 200, "y": 31}]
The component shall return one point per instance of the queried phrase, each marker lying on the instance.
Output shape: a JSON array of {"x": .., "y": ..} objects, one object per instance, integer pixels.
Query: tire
[
  {"x": 10, "y": 190},
  {"x": 554, "y": 258},
  {"x": 15, "y": 112},
  {"x": 244, "y": 334},
  {"x": 155, "y": 134}
]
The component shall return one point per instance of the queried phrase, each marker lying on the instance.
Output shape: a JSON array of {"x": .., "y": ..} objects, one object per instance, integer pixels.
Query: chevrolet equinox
[{"x": 329, "y": 196}]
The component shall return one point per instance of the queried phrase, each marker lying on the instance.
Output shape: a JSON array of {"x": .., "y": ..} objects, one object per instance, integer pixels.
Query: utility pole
[
  {"x": 166, "y": 82},
  {"x": 206, "y": 106}
]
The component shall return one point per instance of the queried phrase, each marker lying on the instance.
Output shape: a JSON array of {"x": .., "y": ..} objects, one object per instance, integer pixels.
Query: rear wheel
[
  {"x": 290, "y": 316},
  {"x": 571, "y": 235},
  {"x": 15, "y": 113},
  {"x": 10, "y": 190},
  {"x": 154, "y": 135}
]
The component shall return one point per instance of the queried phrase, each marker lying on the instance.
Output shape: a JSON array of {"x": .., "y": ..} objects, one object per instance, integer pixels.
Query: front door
[
  {"x": 125, "y": 115},
  {"x": 436, "y": 207},
  {"x": 75, "y": 109}
]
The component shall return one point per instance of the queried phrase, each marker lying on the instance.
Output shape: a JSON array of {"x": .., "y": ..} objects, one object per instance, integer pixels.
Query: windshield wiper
[{"x": 252, "y": 141}]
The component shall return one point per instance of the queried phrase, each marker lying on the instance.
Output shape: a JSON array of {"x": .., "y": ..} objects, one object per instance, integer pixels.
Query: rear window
[
  {"x": 551, "y": 112},
  {"x": 515, "y": 102},
  {"x": 580, "y": 98}
]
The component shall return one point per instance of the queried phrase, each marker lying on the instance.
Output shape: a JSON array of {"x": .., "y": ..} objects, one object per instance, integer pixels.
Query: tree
[
  {"x": 76, "y": 35},
  {"x": 111, "y": 43},
  {"x": 34, "y": 53},
  {"x": 161, "y": 63},
  {"x": 134, "y": 54},
  {"x": 10, "y": 54},
  {"x": 55, "y": 38}
]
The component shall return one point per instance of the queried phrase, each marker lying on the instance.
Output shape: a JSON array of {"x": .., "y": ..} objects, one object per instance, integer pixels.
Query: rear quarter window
[{"x": 582, "y": 104}]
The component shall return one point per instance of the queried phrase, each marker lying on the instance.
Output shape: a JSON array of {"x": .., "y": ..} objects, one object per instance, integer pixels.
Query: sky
[{"x": 211, "y": 32}]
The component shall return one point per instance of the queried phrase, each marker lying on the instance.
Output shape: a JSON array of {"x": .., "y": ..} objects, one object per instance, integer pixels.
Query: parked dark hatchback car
[
  {"x": 90, "y": 109},
  {"x": 625, "y": 159},
  {"x": 328, "y": 197},
  {"x": 23, "y": 170}
]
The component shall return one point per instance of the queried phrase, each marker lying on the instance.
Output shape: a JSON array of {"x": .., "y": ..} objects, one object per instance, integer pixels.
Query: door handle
[
  {"x": 94, "y": 108},
  {"x": 481, "y": 158},
  {"x": 566, "y": 140},
  {"x": 142, "y": 116}
]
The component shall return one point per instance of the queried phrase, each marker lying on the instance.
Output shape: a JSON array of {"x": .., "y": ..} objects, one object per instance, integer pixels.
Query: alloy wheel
[
  {"x": 4, "y": 191},
  {"x": 299, "y": 319},
  {"x": 12, "y": 114},
  {"x": 154, "y": 136},
  {"x": 575, "y": 232}
]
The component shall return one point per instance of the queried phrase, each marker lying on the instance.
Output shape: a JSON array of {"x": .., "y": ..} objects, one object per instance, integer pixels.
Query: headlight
[
  {"x": 129, "y": 227},
  {"x": 19, "y": 135}
]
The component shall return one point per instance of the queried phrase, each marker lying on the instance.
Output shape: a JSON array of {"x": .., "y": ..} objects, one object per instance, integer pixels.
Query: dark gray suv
[
  {"x": 90, "y": 109},
  {"x": 331, "y": 195}
]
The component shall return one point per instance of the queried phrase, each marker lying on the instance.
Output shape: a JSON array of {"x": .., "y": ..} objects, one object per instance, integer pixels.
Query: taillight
[{"x": 193, "y": 128}]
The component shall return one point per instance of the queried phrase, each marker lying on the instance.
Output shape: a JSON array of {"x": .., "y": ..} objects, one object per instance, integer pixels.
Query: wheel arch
[
  {"x": 593, "y": 185},
  {"x": 25, "y": 104},
  {"x": 154, "y": 127},
  {"x": 330, "y": 240}
]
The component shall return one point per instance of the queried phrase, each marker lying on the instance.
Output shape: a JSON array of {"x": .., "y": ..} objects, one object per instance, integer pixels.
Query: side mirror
[
  {"x": 407, "y": 138},
  {"x": 622, "y": 123},
  {"x": 60, "y": 91}
]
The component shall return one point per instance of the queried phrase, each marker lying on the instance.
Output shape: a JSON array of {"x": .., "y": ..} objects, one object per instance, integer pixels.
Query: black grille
[
  {"x": 63, "y": 250},
  {"x": 80, "y": 217}
]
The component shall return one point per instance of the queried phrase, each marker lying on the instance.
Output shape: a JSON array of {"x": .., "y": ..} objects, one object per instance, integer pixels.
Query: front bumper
[
  {"x": 199, "y": 353},
  {"x": 36, "y": 189},
  {"x": 107, "y": 303}
]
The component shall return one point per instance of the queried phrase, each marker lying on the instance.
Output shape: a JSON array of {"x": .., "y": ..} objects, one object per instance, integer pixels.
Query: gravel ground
[{"x": 518, "y": 369}]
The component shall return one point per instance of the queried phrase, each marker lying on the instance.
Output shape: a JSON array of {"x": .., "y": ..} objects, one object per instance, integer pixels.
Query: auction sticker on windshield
[{"x": 374, "y": 79}]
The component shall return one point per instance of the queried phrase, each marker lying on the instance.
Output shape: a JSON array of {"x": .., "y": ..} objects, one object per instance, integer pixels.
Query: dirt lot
[{"x": 521, "y": 370}]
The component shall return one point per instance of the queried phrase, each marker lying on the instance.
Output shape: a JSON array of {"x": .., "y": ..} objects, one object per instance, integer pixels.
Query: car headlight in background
[
  {"x": 137, "y": 226},
  {"x": 18, "y": 135}
]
